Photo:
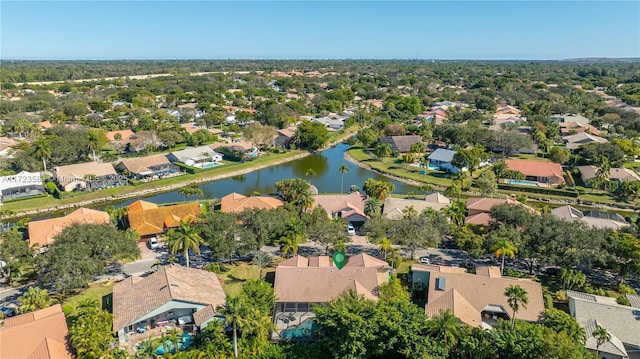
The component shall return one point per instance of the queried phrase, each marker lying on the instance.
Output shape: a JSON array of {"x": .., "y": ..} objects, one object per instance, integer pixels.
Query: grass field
[
  {"x": 234, "y": 275},
  {"x": 95, "y": 291}
]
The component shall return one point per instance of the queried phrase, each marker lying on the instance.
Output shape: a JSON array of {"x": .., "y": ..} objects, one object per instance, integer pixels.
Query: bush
[
  {"x": 625, "y": 289},
  {"x": 188, "y": 169},
  {"x": 548, "y": 301},
  {"x": 67, "y": 309},
  {"x": 514, "y": 273},
  {"x": 561, "y": 295},
  {"x": 50, "y": 187},
  {"x": 216, "y": 268},
  {"x": 623, "y": 300}
]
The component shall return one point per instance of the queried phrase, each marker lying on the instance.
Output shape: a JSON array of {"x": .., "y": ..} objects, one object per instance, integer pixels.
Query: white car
[
  {"x": 351, "y": 230},
  {"x": 153, "y": 243},
  {"x": 424, "y": 260}
]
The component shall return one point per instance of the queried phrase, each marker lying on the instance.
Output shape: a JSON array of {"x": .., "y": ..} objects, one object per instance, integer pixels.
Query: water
[
  {"x": 523, "y": 183},
  {"x": 184, "y": 343},
  {"x": 325, "y": 177},
  {"x": 303, "y": 330}
]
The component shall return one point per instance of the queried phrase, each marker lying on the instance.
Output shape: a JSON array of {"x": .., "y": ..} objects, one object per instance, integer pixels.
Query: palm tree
[
  {"x": 288, "y": 243},
  {"x": 343, "y": 169},
  {"x": 262, "y": 260},
  {"x": 188, "y": 192},
  {"x": 146, "y": 350},
  {"x": 516, "y": 297},
  {"x": 372, "y": 207},
  {"x": 456, "y": 213},
  {"x": 446, "y": 328},
  {"x": 35, "y": 298},
  {"x": 184, "y": 238},
  {"x": 602, "y": 336},
  {"x": 233, "y": 315},
  {"x": 305, "y": 201},
  {"x": 504, "y": 248},
  {"x": 426, "y": 188},
  {"x": 385, "y": 246},
  {"x": 155, "y": 266},
  {"x": 571, "y": 277},
  {"x": 409, "y": 212},
  {"x": 41, "y": 149},
  {"x": 95, "y": 143}
]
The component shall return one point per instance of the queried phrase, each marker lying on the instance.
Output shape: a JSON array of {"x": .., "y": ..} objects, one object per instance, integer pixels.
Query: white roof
[
  {"x": 195, "y": 153},
  {"x": 21, "y": 179}
]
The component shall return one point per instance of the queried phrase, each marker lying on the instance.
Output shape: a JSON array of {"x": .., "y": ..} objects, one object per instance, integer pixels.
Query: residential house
[
  {"x": 89, "y": 176},
  {"x": 41, "y": 334},
  {"x": 549, "y": 173},
  {"x": 332, "y": 122},
  {"x": 507, "y": 110},
  {"x": 236, "y": 150},
  {"x": 148, "y": 168},
  {"x": 193, "y": 127},
  {"x": 301, "y": 282},
  {"x": 401, "y": 144},
  {"x": 597, "y": 219},
  {"x": 21, "y": 185},
  {"x": 570, "y": 128},
  {"x": 236, "y": 203},
  {"x": 284, "y": 137},
  {"x": 349, "y": 207},
  {"x": 479, "y": 299},
  {"x": 394, "y": 208},
  {"x": 621, "y": 322},
  {"x": 588, "y": 173},
  {"x": 43, "y": 232},
  {"x": 148, "y": 219},
  {"x": 567, "y": 117},
  {"x": 479, "y": 209},
  {"x": 6, "y": 150},
  {"x": 202, "y": 156},
  {"x": 574, "y": 141},
  {"x": 121, "y": 140},
  {"x": 161, "y": 298},
  {"x": 441, "y": 159}
]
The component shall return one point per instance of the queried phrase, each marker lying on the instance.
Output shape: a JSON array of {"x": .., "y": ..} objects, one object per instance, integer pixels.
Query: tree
[
  {"x": 258, "y": 294},
  {"x": 188, "y": 192},
  {"x": 560, "y": 321},
  {"x": 456, "y": 213},
  {"x": 446, "y": 328},
  {"x": 509, "y": 141},
  {"x": 184, "y": 238},
  {"x": 516, "y": 297},
  {"x": 261, "y": 260},
  {"x": 343, "y": 169},
  {"x": 504, "y": 248},
  {"x": 559, "y": 155},
  {"x": 383, "y": 150},
  {"x": 41, "y": 149},
  {"x": 393, "y": 291},
  {"x": 35, "y": 298},
  {"x": 259, "y": 135},
  {"x": 426, "y": 188},
  {"x": 297, "y": 192},
  {"x": 96, "y": 138},
  {"x": 487, "y": 183},
  {"x": 602, "y": 336},
  {"x": 469, "y": 158},
  {"x": 90, "y": 331},
  {"x": 385, "y": 247},
  {"x": 378, "y": 189},
  {"x": 311, "y": 135},
  {"x": 234, "y": 315},
  {"x": 571, "y": 277},
  {"x": 293, "y": 236},
  {"x": 372, "y": 207}
]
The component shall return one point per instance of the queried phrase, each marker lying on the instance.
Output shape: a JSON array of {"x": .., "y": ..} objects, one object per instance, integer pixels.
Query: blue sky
[{"x": 318, "y": 29}]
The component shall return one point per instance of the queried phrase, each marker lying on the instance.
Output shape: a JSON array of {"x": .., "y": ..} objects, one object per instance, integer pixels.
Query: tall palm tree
[
  {"x": 456, "y": 213},
  {"x": 385, "y": 246},
  {"x": 183, "y": 238},
  {"x": 343, "y": 169},
  {"x": 41, "y": 149},
  {"x": 602, "y": 336},
  {"x": 504, "y": 248},
  {"x": 35, "y": 298},
  {"x": 95, "y": 143},
  {"x": 426, "y": 188},
  {"x": 409, "y": 212},
  {"x": 305, "y": 201},
  {"x": 516, "y": 297},
  {"x": 234, "y": 312},
  {"x": 262, "y": 260}
]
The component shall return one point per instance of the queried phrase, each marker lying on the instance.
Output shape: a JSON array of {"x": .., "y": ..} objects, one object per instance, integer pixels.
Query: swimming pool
[
  {"x": 183, "y": 343},
  {"x": 303, "y": 330},
  {"x": 523, "y": 183},
  {"x": 210, "y": 164}
]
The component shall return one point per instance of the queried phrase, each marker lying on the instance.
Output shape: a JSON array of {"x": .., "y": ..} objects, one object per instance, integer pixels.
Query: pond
[{"x": 320, "y": 169}]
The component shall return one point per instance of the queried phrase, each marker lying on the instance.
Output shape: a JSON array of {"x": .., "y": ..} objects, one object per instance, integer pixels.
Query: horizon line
[{"x": 322, "y": 59}]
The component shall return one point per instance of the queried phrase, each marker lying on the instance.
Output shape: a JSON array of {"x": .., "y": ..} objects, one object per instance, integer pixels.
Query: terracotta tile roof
[
  {"x": 533, "y": 168},
  {"x": 141, "y": 165},
  {"x": 454, "y": 301},
  {"x": 141, "y": 205},
  {"x": 393, "y": 207},
  {"x": 151, "y": 220},
  {"x": 345, "y": 204},
  {"x": 235, "y": 202},
  {"x": 134, "y": 298},
  {"x": 363, "y": 260},
  {"x": 480, "y": 219},
  {"x": 126, "y": 135},
  {"x": 67, "y": 174},
  {"x": 43, "y": 232},
  {"x": 485, "y": 204},
  {"x": 36, "y": 335},
  {"x": 482, "y": 291}
]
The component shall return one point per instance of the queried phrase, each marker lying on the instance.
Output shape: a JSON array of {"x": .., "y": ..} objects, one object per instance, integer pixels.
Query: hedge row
[
  {"x": 188, "y": 169},
  {"x": 543, "y": 190}
]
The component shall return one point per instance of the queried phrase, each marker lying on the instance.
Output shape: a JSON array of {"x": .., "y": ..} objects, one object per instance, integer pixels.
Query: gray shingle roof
[{"x": 442, "y": 155}]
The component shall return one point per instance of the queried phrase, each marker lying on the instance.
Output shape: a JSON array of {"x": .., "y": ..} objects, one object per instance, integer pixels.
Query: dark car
[{"x": 7, "y": 311}]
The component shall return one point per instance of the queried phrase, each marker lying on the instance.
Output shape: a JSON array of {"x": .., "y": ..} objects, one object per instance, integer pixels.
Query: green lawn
[
  {"x": 234, "y": 275},
  {"x": 95, "y": 291}
]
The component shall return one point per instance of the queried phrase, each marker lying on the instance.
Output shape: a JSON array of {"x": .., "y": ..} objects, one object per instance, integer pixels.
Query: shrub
[
  {"x": 67, "y": 309},
  {"x": 548, "y": 301},
  {"x": 625, "y": 289},
  {"x": 50, "y": 187},
  {"x": 542, "y": 190},
  {"x": 623, "y": 300},
  {"x": 561, "y": 295}
]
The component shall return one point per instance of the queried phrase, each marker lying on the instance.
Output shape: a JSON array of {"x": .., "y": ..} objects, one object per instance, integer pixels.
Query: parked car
[
  {"x": 351, "y": 230},
  {"x": 424, "y": 260},
  {"x": 7, "y": 311},
  {"x": 153, "y": 243}
]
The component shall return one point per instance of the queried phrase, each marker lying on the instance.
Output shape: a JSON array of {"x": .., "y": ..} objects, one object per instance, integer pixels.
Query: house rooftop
[
  {"x": 70, "y": 173},
  {"x": 142, "y": 165},
  {"x": 37, "y": 335},
  {"x": 344, "y": 204},
  {"x": 44, "y": 231},
  {"x": 136, "y": 297},
  {"x": 442, "y": 155},
  {"x": 535, "y": 168},
  {"x": 146, "y": 219},
  {"x": 235, "y": 202},
  {"x": 394, "y": 207}
]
